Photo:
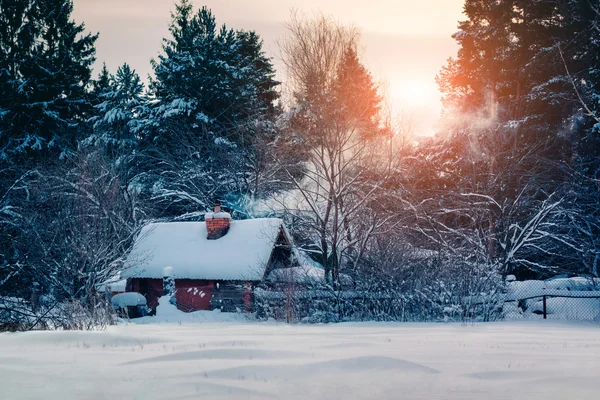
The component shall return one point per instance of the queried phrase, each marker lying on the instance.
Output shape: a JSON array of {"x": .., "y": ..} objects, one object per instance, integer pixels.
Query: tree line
[{"x": 509, "y": 185}]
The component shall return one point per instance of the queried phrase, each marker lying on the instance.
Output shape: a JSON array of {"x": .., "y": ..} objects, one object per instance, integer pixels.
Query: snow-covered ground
[{"x": 242, "y": 360}]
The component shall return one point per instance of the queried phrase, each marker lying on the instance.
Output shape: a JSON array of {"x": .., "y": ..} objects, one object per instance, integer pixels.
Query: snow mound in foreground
[
  {"x": 167, "y": 312},
  {"x": 353, "y": 365},
  {"x": 222, "y": 354},
  {"x": 531, "y": 360}
]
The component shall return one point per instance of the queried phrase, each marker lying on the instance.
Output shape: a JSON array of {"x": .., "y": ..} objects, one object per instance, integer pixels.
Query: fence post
[{"x": 544, "y": 301}]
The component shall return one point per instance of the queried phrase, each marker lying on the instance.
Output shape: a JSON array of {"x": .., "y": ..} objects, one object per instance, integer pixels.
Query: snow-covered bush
[
  {"x": 441, "y": 289},
  {"x": 76, "y": 315},
  {"x": 18, "y": 314}
]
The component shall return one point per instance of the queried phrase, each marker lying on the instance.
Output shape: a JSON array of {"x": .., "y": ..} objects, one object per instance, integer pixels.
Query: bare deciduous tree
[{"x": 333, "y": 131}]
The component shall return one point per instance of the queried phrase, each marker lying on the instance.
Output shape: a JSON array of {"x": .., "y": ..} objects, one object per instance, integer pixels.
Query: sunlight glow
[{"x": 414, "y": 92}]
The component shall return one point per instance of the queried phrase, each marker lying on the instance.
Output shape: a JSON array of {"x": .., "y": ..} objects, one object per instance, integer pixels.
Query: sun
[{"x": 414, "y": 92}]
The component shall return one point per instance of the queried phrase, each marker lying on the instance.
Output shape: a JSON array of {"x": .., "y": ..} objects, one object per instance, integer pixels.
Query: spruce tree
[
  {"x": 530, "y": 62},
  {"x": 480, "y": 78},
  {"x": 261, "y": 72},
  {"x": 101, "y": 85},
  {"x": 17, "y": 35},
  {"x": 212, "y": 94},
  {"x": 530, "y": 69},
  {"x": 122, "y": 100},
  {"x": 356, "y": 94},
  {"x": 214, "y": 79},
  {"x": 45, "y": 66}
]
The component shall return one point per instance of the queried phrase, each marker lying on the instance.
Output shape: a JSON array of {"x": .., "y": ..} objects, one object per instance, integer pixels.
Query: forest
[{"x": 508, "y": 186}]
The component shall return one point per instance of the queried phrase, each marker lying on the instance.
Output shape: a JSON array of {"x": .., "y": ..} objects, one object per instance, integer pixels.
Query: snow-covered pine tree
[
  {"x": 121, "y": 101},
  {"x": 101, "y": 85},
  {"x": 558, "y": 101},
  {"x": 562, "y": 45},
  {"x": 525, "y": 72},
  {"x": 530, "y": 63},
  {"x": 259, "y": 72},
  {"x": 45, "y": 61},
  {"x": 45, "y": 65},
  {"x": 212, "y": 93},
  {"x": 480, "y": 78},
  {"x": 17, "y": 35},
  {"x": 216, "y": 79}
]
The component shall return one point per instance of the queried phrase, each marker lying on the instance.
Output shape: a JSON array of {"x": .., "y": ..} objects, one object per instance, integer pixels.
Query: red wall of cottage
[
  {"x": 190, "y": 294},
  {"x": 152, "y": 289},
  {"x": 193, "y": 294}
]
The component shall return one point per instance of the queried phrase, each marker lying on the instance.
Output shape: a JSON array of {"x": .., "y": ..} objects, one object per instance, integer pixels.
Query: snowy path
[{"x": 524, "y": 360}]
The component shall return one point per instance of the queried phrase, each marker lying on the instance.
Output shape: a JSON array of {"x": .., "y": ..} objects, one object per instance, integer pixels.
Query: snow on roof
[
  {"x": 113, "y": 284},
  {"x": 308, "y": 271},
  {"x": 305, "y": 261},
  {"x": 118, "y": 286},
  {"x": 302, "y": 274},
  {"x": 242, "y": 254}
]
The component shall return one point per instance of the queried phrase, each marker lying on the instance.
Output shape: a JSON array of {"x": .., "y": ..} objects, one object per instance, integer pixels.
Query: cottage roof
[
  {"x": 113, "y": 284},
  {"x": 242, "y": 254}
]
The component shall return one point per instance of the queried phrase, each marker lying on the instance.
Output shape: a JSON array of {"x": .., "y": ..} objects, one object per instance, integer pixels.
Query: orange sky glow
[{"x": 404, "y": 43}]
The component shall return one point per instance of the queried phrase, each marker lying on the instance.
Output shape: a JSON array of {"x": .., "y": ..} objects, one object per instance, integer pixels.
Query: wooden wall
[
  {"x": 193, "y": 294},
  {"x": 196, "y": 294}
]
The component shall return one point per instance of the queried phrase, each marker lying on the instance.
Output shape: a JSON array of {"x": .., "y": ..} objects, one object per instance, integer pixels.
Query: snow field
[{"x": 233, "y": 360}]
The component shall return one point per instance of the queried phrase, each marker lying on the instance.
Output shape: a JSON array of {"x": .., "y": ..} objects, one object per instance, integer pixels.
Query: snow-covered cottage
[{"x": 215, "y": 264}]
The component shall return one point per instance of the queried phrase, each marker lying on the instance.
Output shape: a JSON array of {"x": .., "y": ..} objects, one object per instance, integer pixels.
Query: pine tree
[
  {"x": 356, "y": 94},
  {"x": 17, "y": 35},
  {"x": 213, "y": 78},
  {"x": 528, "y": 62},
  {"x": 530, "y": 68},
  {"x": 101, "y": 85},
  {"x": 213, "y": 91},
  {"x": 261, "y": 72},
  {"x": 122, "y": 100},
  {"x": 481, "y": 77},
  {"x": 564, "y": 72},
  {"x": 46, "y": 67}
]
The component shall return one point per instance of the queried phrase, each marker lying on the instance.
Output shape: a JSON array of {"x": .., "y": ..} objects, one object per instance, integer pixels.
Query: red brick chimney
[{"x": 217, "y": 223}]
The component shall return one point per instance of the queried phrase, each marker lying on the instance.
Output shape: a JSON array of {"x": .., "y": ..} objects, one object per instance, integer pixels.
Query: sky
[{"x": 404, "y": 43}]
